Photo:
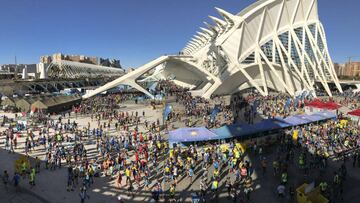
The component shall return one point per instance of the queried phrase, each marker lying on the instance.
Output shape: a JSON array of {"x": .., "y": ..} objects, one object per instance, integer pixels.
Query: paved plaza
[
  {"x": 251, "y": 110},
  {"x": 51, "y": 185}
]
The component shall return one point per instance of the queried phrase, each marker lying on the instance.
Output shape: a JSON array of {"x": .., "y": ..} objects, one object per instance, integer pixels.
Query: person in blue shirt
[
  {"x": 195, "y": 197},
  {"x": 216, "y": 164},
  {"x": 191, "y": 174},
  {"x": 16, "y": 181}
]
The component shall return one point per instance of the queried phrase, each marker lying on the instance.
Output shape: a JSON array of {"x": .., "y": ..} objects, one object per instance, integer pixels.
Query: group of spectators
[
  {"x": 133, "y": 151},
  {"x": 330, "y": 139}
]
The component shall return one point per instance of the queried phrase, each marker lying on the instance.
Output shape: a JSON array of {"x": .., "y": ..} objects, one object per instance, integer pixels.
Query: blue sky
[{"x": 136, "y": 31}]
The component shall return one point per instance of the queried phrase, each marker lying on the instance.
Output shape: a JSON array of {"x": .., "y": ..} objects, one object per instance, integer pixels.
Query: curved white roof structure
[
  {"x": 272, "y": 44},
  {"x": 72, "y": 69}
]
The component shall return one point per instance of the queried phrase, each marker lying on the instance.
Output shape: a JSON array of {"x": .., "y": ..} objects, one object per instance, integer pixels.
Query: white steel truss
[
  {"x": 272, "y": 44},
  {"x": 281, "y": 42},
  {"x": 73, "y": 70}
]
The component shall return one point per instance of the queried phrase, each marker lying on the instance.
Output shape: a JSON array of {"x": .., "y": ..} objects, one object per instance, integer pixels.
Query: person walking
[
  {"x": 24, "y": 169},
  {"x": 191, "y": 174},
  {"x": 16, "y": 181},
  {"x": 83, "y": 195},
  {"x": 5, "y": 179},
  {"x": 215, "y": 186},
  {"x": 336, "y": 184},
  {"x": 37, "y": 164},
  {"x": 284, "y": 178},
  {"x": 247, "y": 191},
  {"x": 127, "y": 174},
  {"x": 292, "y": 193},
  {"x": 70, "y": 179},
  {"x": 12, "y": 146},
  {"x": 32, "y": 177},
  {"x": 203, "y": 189},
  {"x": 323, "y": 188},
  {"x": 263, "y": 165},
  {"x": 119, "y": 179},
  {"x": 275, "y": 165},
  {"x": 172, "y": 192},
  {"x": 355, "y": 157},
  {"x": 228, "y": 185},
  {"x": 281, "y": 191}
]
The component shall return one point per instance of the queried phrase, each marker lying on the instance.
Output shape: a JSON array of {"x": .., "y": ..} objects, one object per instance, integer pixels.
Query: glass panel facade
[
  {"x": 249, "y": 59},
  {"x": 267, "y": 48}
]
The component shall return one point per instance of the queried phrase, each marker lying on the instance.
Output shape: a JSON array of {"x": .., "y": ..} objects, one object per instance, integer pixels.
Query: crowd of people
[
  {"x": 132, "y": 150},
  {"x": 349, "y": 99},
  {"x": 276, "y": 105},
  {"x": 198, "y": 108},
  {"x": 330, "y": 139}
]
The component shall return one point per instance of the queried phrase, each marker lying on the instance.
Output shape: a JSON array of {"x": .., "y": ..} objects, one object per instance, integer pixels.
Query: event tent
[
  {"x": 223, "y": 132},
  {"x": 24, "y": 104},
  {"x": 192, "y": 135},
  {"x": 325, "y": 115},
  {"x": 302, "y": 119},
  {"x": 315, "y": 103},
  {"x": 299, "y": 119},
  {"x": 331, "y": 105},
  {"x": 355, "y": 112},
  {"x": 186, "y": 135},
  {"x": 313, "y": 117},
  {"x": 270, "y": 124},
  {"x": 9, "y": 101},
  {"x": 243, "y": 130},
  {"x": 56, "y": 104},
  {"x": 234, "y": 130}
]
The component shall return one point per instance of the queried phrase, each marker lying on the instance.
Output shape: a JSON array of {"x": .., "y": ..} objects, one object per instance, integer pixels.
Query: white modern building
[
  {"x": 272, "y": 44},
  {"x": 70, "y": 69}
]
